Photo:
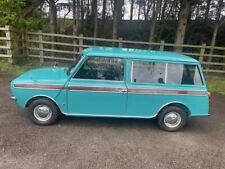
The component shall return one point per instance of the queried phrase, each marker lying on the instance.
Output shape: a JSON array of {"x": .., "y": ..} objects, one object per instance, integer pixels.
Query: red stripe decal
[
  {"x": 177, "y": 92},
  {"x": 38, "y": 86},
  {"x": 108, "y": 89},
  {"x": 97, "y": 89}
]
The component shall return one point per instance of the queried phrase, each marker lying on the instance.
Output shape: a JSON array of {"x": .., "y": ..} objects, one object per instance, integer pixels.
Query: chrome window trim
[
  {"x": 166, "y": 73},
  {"x": 132, "y": 64}
]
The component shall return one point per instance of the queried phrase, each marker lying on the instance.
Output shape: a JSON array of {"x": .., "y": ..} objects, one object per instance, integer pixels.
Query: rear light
[{"x": 209, "y": 94}]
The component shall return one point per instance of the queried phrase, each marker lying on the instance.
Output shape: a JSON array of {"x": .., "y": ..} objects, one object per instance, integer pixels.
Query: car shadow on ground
[{"x": 196, "y": 124}]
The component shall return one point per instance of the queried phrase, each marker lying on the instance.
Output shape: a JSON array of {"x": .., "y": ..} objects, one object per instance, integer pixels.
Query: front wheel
[
  {"x": 43, "y": 111},
  {"x": 172, "y": 118}
]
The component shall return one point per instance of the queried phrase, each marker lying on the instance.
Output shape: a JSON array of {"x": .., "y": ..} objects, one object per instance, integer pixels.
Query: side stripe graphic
[{"x": 111, "y": 89}]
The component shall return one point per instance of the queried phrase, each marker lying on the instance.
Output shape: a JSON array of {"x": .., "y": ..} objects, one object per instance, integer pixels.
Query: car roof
[{"x": 136, "y": 54}]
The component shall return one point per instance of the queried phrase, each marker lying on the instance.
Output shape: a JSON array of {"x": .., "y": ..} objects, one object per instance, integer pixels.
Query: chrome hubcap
[
  {"x": 172, "y": 119},
  {"x": 42, "y": 113}
]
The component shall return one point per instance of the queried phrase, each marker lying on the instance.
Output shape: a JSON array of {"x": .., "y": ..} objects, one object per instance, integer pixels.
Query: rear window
[{"x": 165, "y": 73}]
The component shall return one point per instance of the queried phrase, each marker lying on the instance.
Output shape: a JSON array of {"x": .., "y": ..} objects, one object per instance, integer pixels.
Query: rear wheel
[
  {"x": 43, "y": 111},
  {"x": 172, "y": 118}
]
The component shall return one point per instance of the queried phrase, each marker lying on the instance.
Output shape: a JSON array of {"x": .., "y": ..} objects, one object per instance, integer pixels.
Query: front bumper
[{"x": 13, "y": 97}]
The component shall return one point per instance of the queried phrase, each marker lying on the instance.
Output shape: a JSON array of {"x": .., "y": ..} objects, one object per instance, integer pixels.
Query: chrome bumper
[{"x": 13, "y": 97}]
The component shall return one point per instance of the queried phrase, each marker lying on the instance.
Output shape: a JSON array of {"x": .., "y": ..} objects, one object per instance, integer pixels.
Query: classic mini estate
[{"x": 117, "y": 82}]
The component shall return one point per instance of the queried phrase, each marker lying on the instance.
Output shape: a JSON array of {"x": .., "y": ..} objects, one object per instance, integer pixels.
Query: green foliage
[
  {"x": 216, "y": 84},
  {"x": 11, "y": 12},
  {"x": 20, "y": 13},
  {"x": 15, "y": 70}
]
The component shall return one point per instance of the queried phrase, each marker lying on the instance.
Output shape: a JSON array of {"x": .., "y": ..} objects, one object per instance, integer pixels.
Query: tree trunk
[
  {"x": 131, "y": 10},
  {"x": 182, "y": 24},
  {"x": 216, "y": 27},
  {"x": 76, "y": 16},
  {"x": 95, "y": 19},
  {"x": 156, "y": 11},
  {"x": 52, "y": 17},
  {"x": 208, "y": 3},
  {"x": 147, "y": 7},
  {"x": 53, "y": 23},
  {"x": 88, "y": 9},
  {"x": 115, "y": 18},
  {"x": 103, "y": 15},
  {"x": 82, "y": 15},
  {"x": 117, "y": 15},
  {"x": 139, "y": 11}
]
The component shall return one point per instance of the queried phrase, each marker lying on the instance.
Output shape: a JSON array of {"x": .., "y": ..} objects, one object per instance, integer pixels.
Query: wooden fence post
[
  {"x": 202, "y": 52},
  {"x": 9, "y": 44},
  {"x": 80, "y": 43},
  {"x": 40, "y": 38},
  {"x": 24, "y": 44},
  {"x": 162, "y": 44},
  {"x": 120, "y": 44}
]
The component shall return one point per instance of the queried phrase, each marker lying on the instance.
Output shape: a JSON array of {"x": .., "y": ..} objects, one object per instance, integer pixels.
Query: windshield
[{"x": 71, "y": 67}]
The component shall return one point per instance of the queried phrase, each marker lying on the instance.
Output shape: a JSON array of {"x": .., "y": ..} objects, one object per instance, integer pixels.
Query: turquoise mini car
[{"x": 117, "y": 82}]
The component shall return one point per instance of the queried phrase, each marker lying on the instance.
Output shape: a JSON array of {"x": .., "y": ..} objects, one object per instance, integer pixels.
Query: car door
[
  {"x": 98, "y": 88},
  {"x": 145, "y": 80}
]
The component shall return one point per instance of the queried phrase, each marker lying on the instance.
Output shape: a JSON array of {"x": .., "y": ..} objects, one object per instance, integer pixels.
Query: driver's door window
[{"x": 101, "y": 68}]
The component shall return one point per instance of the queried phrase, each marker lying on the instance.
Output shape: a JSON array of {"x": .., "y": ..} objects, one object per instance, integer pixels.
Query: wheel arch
[
  {"x": 177, "y": 104},
  {"x": 41, "y": 97}
]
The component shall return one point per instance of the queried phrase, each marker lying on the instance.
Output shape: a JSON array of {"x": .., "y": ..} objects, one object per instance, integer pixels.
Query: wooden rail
[
  {"x": 72, "y": 46},
  {"x": 68, "y": 48},
  {"x": 6, "y": 44}
]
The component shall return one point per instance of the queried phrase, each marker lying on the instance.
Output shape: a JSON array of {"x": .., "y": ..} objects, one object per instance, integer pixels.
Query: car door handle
[{"x": 123, "y": 90}]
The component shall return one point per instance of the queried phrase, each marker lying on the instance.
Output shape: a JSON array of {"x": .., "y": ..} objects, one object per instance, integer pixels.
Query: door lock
[{"x": 123, "y": 90}]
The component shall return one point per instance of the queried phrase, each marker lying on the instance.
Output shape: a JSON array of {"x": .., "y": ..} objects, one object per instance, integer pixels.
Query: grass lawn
[
  {"x": 15, "y": 70},
  {"x": 214, "y": 84}
]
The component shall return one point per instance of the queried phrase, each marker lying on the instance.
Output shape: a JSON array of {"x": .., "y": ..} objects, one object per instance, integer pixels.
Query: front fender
[{"x": 24, "y": 95}]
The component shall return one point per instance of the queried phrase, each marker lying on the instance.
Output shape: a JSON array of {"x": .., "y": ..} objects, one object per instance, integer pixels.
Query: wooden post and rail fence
[{"x": 68, "y": 48}]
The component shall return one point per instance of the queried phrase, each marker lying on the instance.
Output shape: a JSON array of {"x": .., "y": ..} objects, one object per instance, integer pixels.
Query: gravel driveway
[{"x": 108, "y": 143}]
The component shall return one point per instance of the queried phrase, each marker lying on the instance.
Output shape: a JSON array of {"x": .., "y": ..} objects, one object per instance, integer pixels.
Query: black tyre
[
  {"x": 43, "y": 111},
  {"x": 172, "y": 118}
]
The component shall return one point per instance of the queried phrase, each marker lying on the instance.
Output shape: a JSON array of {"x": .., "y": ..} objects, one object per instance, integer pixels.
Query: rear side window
[
  {"x": 183, "y": 74},
  {"x": 148, "y": 72},
  {"x": 102, "y": 68},
  {"x": 165, "y": 73}
]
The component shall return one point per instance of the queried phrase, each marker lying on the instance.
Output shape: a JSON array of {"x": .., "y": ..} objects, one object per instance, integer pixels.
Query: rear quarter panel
[{"x": 146, "y": 100}]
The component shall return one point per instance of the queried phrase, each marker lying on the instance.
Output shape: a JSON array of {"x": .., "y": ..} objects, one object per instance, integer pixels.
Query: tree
[
  {"x": 182, "y": 23},
  {"x": 95, "y": 17},
  {"x": 218, "y": 22},
  {"x": 19, "y": 14},
  {"x": 103, "y": 15},
  {"x": 131, "y": 10},
  {"x": 52, "y": 16},
  {"x": 82, "y": 15},
  {"x": 76, "y": 16},
  {"x": 147, "y": 6},
  {"x": 140, "y": 4},
  {"x": 117, "y": 15},
  {"x": 156, "y": 11}
]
